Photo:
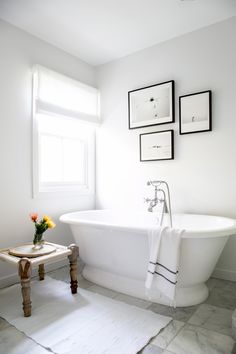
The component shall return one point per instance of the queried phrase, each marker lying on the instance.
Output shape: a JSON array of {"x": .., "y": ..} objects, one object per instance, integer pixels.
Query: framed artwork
[
  {"x": 195, "y": 113},
  {"x": 151, "y": 105},
  {"x": 157, "y": 146}
]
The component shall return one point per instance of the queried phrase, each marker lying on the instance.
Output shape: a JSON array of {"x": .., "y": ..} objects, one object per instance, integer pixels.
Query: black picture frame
[
  {"x": 163, "y": 104},
  {"x": 154, "y": 156},
  {"x": 202, "y": 107}
]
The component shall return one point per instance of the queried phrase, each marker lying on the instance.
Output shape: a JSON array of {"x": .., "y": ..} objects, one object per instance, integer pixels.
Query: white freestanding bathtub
[{"x": 114, "y": 247}]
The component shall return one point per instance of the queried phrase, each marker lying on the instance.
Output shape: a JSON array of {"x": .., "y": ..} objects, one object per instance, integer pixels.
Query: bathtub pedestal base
[{"x": 188, "y": 296}]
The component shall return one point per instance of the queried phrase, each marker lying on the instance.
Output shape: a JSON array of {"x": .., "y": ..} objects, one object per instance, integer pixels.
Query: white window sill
[{"x": 63, "y": 192}]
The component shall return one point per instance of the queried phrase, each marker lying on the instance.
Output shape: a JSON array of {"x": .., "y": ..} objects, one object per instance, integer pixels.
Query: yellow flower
[
  {"x": 50, "y": 224},
  {"x": 46, "y": 218}
]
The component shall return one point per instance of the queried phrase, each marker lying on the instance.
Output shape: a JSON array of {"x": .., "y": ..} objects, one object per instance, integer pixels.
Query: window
[{"x": 65, "y": 114}]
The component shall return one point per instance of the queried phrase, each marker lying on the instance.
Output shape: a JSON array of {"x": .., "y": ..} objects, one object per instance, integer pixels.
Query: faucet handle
[{"x": 146, "y": 200}]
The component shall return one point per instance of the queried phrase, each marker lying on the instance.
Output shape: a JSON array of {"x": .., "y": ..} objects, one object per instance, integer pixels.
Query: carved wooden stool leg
[
  {"x": 25, "y": 275},
  {"x": 73, "y": 268},
  {"x": 41, "y": 272}
]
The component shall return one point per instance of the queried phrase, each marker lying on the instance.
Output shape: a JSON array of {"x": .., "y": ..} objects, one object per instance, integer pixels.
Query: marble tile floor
[{"x": 202, "y": 329}]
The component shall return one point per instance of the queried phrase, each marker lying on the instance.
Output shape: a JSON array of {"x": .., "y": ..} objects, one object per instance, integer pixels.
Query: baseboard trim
[
  {"x": 225, "y": 274},
  {"x": 14, "y": 278}
]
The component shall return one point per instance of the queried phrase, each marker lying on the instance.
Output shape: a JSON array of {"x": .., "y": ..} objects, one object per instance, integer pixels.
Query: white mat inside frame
[{"x": 80, "y": 324}]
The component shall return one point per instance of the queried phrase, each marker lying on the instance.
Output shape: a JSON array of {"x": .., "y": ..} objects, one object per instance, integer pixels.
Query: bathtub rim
[{"x": 222, "y": 231}]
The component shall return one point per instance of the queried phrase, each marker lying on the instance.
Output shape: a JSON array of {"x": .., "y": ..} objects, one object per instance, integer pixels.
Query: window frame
[{"x": 60, "y": 189}]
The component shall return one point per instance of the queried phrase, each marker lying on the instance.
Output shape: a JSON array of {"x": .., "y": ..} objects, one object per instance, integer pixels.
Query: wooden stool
[{"x": 25, "y": 266}]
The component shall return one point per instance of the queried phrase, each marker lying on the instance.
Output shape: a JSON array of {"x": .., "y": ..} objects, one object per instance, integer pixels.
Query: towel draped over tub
[{"x": 163, "y": 266}]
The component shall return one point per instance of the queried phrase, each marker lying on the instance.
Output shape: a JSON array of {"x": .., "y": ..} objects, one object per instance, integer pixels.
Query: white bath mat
[{"x": 80, "y": 324}]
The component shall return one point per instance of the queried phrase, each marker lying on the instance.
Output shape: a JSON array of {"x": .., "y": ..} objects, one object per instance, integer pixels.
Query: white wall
[
  {"x": 202, "y": 177},
  {"x": 19, "y": 51}
]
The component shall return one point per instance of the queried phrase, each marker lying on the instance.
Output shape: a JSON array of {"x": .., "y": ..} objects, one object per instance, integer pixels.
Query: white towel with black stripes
[{"x": 163, "y": 264}]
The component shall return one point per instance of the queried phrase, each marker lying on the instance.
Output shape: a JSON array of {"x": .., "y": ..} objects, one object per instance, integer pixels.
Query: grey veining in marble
[
  {"x": 234, "y": 324},
  {"x": 211, "y": 283},
  {"x": 179, "y": 313},
  {"x": 213, "y": 318},
  {"x": 3, "y": 324},
  {"x": 13, "y": 341},
  {"x": 84, "y": 283},
  {"x": 222, "y": 294},
  {"x": 133, "y": 301},
  {"x": 208, "y": 330},
  {"x": 234, "y": 349},
  {"x": 103, "y": 291},
  {"x": 166, "y": 335},
  {"x": 152, "y": 349},
  {"x": 197, "y": 340}
]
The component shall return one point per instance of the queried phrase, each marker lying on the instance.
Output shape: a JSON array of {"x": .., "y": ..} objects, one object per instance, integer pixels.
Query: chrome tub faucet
[{"x": 161, "y": 190}]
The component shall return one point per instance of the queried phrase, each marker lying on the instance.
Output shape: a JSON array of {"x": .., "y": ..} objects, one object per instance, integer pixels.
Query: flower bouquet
[{"x": 40, "y": 227}]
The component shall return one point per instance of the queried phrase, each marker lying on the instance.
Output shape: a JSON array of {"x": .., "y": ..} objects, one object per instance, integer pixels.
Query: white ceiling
[{"x": 98, "y": 31}]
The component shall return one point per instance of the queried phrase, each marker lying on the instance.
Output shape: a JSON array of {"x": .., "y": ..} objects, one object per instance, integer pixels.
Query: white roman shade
[{"x": 55, "y": 93}]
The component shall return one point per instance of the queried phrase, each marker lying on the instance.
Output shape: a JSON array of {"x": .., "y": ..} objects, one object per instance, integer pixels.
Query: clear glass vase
[{"x": 38, "y": 242}]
